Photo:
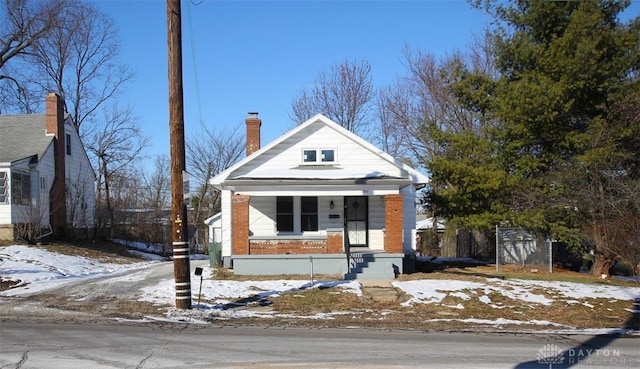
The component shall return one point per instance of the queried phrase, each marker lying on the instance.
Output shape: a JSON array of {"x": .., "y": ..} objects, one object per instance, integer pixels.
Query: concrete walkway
[{"x": 379, "y": 289}]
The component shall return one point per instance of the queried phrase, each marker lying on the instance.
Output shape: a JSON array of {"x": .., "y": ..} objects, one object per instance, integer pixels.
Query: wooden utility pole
[{"x": 181, "y": 268}]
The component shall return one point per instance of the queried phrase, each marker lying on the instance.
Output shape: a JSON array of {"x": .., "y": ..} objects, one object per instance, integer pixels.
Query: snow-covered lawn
[{"x": 39, "y": 270}]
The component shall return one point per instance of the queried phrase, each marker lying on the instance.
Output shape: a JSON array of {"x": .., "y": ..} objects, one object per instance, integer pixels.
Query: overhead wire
[{"x": 194, "y": 60}]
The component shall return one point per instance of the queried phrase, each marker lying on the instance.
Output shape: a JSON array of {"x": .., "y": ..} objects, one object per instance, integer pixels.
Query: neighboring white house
[
  {"x": 46, "y": 178},
  {"x": 215, "y": 228},
  {"x": 317, "y": 190}
]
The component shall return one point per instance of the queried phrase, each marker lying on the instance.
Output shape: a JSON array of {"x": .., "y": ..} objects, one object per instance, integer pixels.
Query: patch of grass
[
  {"x": 472, "y": 273},
  {"x": 309, "y": 302},
  {"x": 105, "y": 307},
  {"x": 5, "y": 285}
]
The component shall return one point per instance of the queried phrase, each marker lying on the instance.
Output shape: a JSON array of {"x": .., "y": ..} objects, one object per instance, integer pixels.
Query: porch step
[{"x": 370, "y": 265}]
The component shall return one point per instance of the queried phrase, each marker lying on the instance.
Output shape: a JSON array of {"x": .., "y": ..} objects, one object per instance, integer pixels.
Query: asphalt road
[
  {"x": 126, "y": 344},
  {"x": 34, "y": 333}
]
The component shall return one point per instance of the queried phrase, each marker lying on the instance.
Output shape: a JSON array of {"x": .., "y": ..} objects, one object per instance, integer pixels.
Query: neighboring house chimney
[
  {"x": 54, "y": 125},
  {"x": 253, "y": 133}
]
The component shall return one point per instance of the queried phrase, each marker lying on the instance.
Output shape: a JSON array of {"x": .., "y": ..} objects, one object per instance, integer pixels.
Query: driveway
[{"x": 115, "y": 295}]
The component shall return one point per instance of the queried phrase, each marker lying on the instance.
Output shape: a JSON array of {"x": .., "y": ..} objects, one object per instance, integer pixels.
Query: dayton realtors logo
[
  {"x": 553, "y": 355},
  {"x": 550, "y": 354}
]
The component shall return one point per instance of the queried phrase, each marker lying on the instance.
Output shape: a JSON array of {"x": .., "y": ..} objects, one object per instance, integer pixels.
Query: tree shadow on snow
[
  {"x": 262, "y": 298},
  {"x": 591, "y": 352}
]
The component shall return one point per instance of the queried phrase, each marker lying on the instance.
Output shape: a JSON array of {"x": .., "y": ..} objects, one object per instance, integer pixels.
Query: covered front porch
[
  {"x": 358, "y": 235},
  {"x": 307, "y": 224}
]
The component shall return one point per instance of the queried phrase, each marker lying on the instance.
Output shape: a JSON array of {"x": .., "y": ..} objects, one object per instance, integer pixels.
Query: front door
[{"x": 356, "y": 218}]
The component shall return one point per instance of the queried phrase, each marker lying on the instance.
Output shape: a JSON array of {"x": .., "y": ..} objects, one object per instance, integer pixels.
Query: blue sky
[{"x": 259, "y": 55}]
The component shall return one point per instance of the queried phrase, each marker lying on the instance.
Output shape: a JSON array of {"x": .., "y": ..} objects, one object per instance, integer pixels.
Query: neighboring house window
[
  {"x": 43, "y": 183},
  {"x": 21, "y": 188},
  {"x": 4, "y": 199},
  {"x": 67, "y": 140},
  {"x": 284, "y": 213},
  {"x": 319, "y": 156},
  {"x": 309, "y": 213}
]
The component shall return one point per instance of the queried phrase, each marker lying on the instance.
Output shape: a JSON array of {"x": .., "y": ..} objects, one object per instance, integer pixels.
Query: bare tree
[
  {"x": 79, "y": 61},
  {"x": 344, "y": 94},
  {"x": 156, "y": 185},
  {"x": 391, "y": 137},
  {"x": 32, "y": 218},
  {"x": 425, "y": 101},
  {"x": 211, "y": 152},
  {"x": 23, "y": 25},
  {"x": 115, "y": 146}
]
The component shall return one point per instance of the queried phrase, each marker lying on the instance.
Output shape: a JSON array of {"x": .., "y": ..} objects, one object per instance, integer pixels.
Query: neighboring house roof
[
  {"x": 428, "y": 224},
  {"x": 213, "y": 219},
  {"x": 22, "y": 136},
  {"x": 363, "y": 172}
]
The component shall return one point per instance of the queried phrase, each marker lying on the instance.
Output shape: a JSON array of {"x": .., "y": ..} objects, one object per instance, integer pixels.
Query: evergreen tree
[{"x": 562, "y": 152}]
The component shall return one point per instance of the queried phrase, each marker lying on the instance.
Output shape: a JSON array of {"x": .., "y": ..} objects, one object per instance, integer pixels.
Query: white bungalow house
[
  {"x": 47, "y": 184},
  {"x": 319, "y": 198}
]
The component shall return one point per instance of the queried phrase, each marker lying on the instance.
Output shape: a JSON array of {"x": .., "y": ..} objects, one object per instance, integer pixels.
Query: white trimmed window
[
  {"x": 21, "y": 188},
  {"x": 296, "y": 214},
  {"x": 67, "y": 140},
  {"x": 325, "y": 155}
]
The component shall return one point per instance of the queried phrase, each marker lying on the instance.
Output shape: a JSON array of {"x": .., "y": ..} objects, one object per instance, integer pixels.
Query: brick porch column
[
  {"x": 393, "y": 223},
  {"x": 240, "y": 225},
  {"x": 335, "y": 243}
]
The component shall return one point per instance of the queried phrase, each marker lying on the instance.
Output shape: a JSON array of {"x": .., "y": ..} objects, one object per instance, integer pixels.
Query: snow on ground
[{"x": 40, "y": 270}]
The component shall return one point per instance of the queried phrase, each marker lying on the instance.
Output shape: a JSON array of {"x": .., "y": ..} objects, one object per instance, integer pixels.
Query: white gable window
[
  {"x": 319, "y": 156},
  {"x": 309, "y": 156},
  {"x": 328, "y": 156},
  {"x": 4, "y": 199}
]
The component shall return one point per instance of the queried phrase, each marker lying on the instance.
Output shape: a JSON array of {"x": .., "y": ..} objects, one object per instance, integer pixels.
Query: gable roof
[
  {"x": 22, "y": 136},
  {"x": 402, "y": 171}
]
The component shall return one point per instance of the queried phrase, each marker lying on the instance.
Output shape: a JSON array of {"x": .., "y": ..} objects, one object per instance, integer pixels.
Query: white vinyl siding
[
  {"x": 285, "y": 157},
  {"x": 376, "y": 222},
  {"x": 227, "y": 229},
  {"x": 408, "y": 218},
  {"x": 80, "y": 182}
]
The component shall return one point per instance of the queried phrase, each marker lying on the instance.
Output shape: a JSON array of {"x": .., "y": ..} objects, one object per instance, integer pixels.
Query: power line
[{"x": 193, "y": 57}]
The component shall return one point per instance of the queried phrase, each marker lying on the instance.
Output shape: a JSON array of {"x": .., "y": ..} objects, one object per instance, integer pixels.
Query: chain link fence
[{"x": 523, "y": 248}]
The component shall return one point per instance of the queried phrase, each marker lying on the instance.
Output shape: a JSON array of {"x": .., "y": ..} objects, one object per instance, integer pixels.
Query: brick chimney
[
  {"x": 54, "y": 115},
  {"x": 253, "y": 132},
  {"x": 54, "y": 125}
]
